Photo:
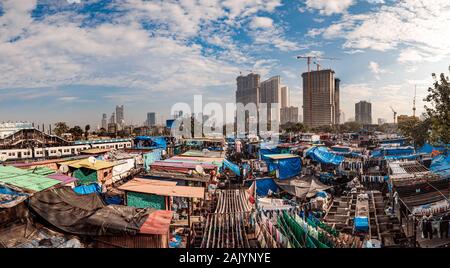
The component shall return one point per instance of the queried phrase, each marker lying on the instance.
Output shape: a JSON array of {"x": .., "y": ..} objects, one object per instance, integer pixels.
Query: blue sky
[{"x": 72, "y": 60}]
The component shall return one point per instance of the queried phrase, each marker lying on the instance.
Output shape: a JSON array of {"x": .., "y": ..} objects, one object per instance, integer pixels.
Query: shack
[{"x": 87, "y": 172}]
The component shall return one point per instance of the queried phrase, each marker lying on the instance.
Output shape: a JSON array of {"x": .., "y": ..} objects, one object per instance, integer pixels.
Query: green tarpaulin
[
  {"x": 25, "y": 178},
  {"x": 85, "y": 176},
  {"x": 141, "y": 200}
]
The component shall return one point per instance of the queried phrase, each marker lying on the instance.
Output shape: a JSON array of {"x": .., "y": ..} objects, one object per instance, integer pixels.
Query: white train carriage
[{"x": 60, "y": 151}]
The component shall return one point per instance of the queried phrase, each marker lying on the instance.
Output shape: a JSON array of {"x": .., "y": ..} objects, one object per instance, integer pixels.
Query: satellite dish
[
  {"x": 64, "y": 168},
  {"x": 199, "y": 169},
  {"x": 3, "y": 158},
  {"x": 92, "y": 160},
  {"x": 58, "y": 154}
]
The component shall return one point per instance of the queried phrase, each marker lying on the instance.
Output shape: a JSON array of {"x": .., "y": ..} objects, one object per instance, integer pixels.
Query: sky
[{"x": 73, "y": 60}]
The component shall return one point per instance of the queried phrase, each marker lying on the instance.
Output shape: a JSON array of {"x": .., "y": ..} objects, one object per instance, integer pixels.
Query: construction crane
[
  {"x": 308, "y": 62},
  {"x": 395, "y": 114},
  {"x": 318, "y": 65},
  {"x": 250, "y": 71},
  {"x": 414, "y": 101}
]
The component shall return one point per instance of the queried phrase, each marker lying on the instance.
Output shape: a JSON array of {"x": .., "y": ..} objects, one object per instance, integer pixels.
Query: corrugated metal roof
[
  {"x": 95, "y": 151},
  {"x": 64, "y": 179},
  {"x": 158, "y": 222},
  {"x": 25, "y": 179},
  {"x": 142, "y": 186},
  {"x": 84, "y": 163}
]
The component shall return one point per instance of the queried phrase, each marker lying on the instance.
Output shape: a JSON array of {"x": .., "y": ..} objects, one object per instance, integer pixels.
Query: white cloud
[
  {"x": 415, "y": 28},
  {"x": 376, "y": 69},
  {"x": 329, "y": 7},
  {"x": 261, "y": 22},
  {"x": 56, "y": 51}
]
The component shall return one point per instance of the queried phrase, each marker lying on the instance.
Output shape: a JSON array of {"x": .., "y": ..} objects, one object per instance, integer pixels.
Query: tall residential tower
[{"x": 320, "y": 98}]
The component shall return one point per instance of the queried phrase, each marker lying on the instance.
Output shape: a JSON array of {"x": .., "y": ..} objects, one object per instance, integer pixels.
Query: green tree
[
  {"x": 61, "y": 128},
  {"x": 352, "y": 126},
  {"x": 415, "y": 130},
  {"x": 438, "y": 109},
  {"x": 324, "y": 128},
  {"x": 102, "y": 131},
  {"x": 86, "y": 131},
  {"x": 77, "y": 132}
]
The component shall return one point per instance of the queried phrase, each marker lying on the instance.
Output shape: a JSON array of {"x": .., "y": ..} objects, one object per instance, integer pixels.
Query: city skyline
[{"x": 58, "y": 57}]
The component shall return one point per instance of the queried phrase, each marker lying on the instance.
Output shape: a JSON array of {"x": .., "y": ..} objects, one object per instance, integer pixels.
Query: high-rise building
[
  {"x": 112, "y": 119},
  {"x": 289, "y": 115},
  {"x": 363, "y": 112},
  {"x": 285, "y": 97},
  {"x": 271, "y": 94},
  {"x": 248, "y": 90},
  {"x": 151, "y": 119},
  {"x": 105, "y": 121},
  {"x": 320, "y": 98},
  {"x": 112, "y": 128},
  {"x": 120, "y": 119}
]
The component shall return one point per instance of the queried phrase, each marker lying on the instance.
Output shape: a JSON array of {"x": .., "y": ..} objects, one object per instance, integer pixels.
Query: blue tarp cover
[
  {"x": 361, "y": 224},
  {"x": 322, "y": 155},
  {"x": 428, "y": 149},
  {"x": 400, "y": 157},
  {"x": 232, "y": 166},
  {"x": 87, "y": 189},
  {"x": 158, "y": 142},
  {"x": 8, "y": 191},
  {"x": 441, "y": 166},
  {"x": 287, "y": 167},
  {"x": 264, "y": 185},
  {"x": 395, "y": 153}
]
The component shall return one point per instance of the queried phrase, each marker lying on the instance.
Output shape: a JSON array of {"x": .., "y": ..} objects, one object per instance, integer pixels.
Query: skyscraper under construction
[{"x": 320, "y": 98}]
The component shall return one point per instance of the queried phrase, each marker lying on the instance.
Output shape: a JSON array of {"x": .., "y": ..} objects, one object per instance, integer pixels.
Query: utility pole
[{"x": 414, "y": 101}]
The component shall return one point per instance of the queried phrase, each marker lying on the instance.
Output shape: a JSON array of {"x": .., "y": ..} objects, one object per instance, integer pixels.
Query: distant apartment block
[
  {"x": 289, "y": 115},
  {"x": 151, "y": 119},
  {"x": 363, "y": 112},
  {"x": 120, "y": 118},
  {"x": 104, "y": 121}
]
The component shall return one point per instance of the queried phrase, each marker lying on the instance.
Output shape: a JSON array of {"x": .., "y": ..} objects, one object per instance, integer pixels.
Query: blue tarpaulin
[
  {"x": 287, "y": 167},
  {"x": 396, "y": 153},
  {"x": 401, "y": 157},
  {"x": 150, "y": 142},
  {"x": 428, "y": 149},
  {"x": 361, "y": 224},
  {"x": 264, "y": 185},
  {"x": 441, "y": 166},
  {"x": 399, "y": 151},
  {"x": 7, "y": 191},
  {"x": 322, "y": 155},
  {"x": 88, "y": 189},
  {"x": 232, "y": 166}
]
